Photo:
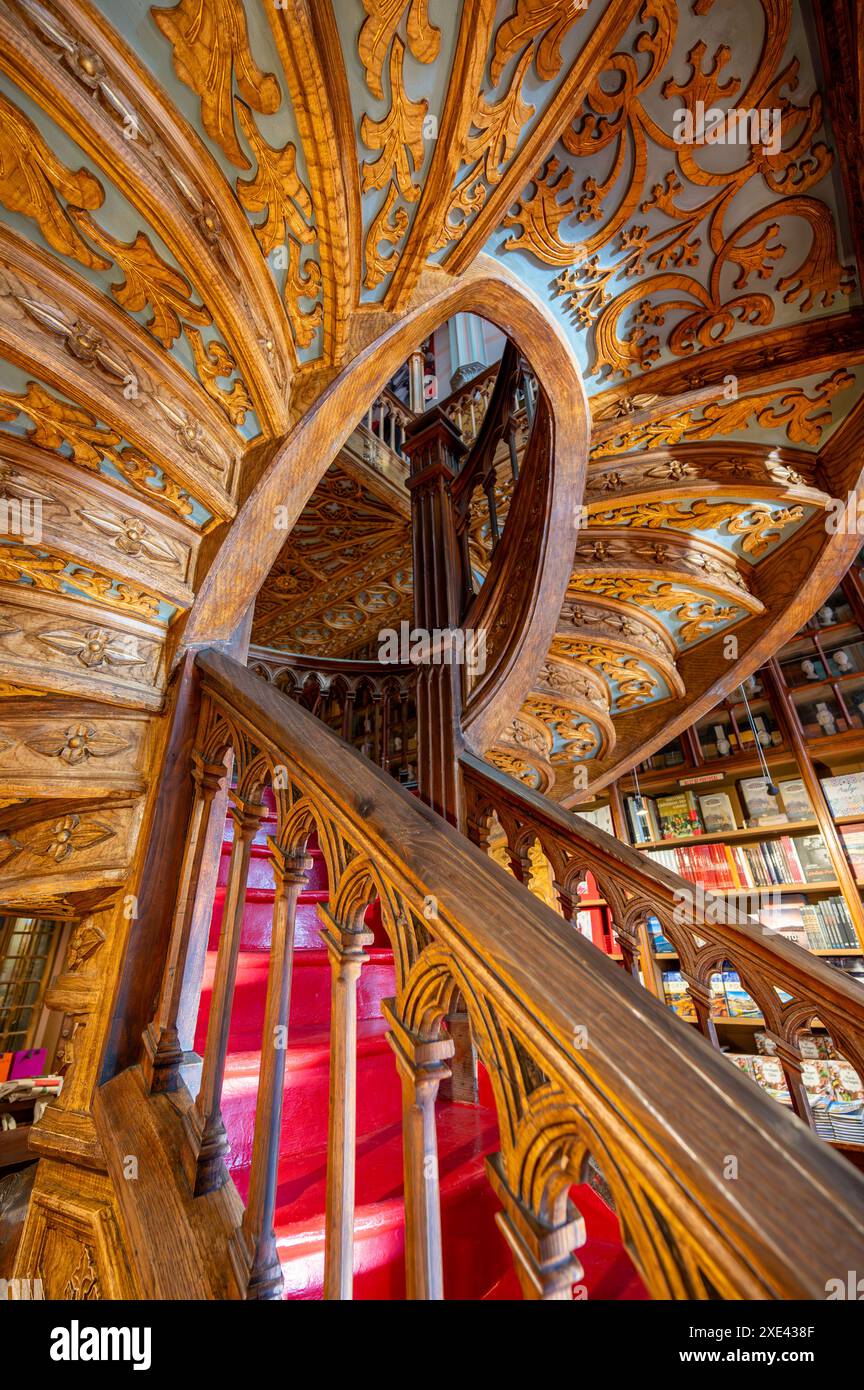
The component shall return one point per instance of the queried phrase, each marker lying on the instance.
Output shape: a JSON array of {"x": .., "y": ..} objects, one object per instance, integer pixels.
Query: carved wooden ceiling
[
  {"x": 344, "y": 573},
  {"x": 212, "y": 208}
]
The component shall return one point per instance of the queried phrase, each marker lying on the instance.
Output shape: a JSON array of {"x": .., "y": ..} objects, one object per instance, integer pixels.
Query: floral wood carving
[
  {"x": 34, "y": 182},
  {"x": 211, "y": 48}
]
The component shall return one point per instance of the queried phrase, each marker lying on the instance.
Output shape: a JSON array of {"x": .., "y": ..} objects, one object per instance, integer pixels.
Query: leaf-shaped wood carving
[
  {"x": 382, "y": 20},
  {"x": 398, "y": 135},
  {"x": 34, "y": 182},
  {"x": 149, "y": 280},
  {"x": 276, "y": 189},
  {"x": 551, "y": 18},
  {"x": 56, "y": 422},
  {"x": 302, "y": 282},
  {"x": 388, "y": 229},
  {"x": 211, "y": 46},
  {"x": 212, "y": 361}
]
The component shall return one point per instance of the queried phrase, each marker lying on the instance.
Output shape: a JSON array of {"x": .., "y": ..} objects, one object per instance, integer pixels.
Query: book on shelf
[
  {"x": 853, "y": 843},
  {"x": 641, "y": 816},
  {"x": 845, "y": 794},
  {"x": 785, "y": 860},
  {"x": 794, "y": 799},
  {"x": 717, "y": 814},
  {"x": 815, "y": 859},
  {"x": 659, "y": 943},
  {"x": 762, "y": 808},
  {"x": 601, "y": 816},
  {"x": 678, "y": 816},
  {"x": 828, "y": 925}
]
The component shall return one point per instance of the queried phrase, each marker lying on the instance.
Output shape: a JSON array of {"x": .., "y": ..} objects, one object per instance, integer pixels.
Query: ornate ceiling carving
[{"x": 209, "y": 210}]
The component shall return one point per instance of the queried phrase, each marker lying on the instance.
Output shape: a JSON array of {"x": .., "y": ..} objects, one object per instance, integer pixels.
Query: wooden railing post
[
  {"x": 435, "y": 449},
  {"x": 346, "y": 949},
  {"x": 163, "y": 1052},
  {"x": 206, "y": 1140},
  {"x": 422, "y": 1068},
  {"x": 543, "y": 1255},
  {"x": 791, "y": 1061},
  {"x": 701, "y": 996},
  {"x": 253, "y": 1247}
]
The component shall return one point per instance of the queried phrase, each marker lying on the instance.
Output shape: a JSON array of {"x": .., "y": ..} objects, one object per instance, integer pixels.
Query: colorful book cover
[
  {"x": 762, "y": 807},
  {"x": 796, "y": 803},
  {"x": 678, "y": 816},
  {"x": 717, "y": 813}
]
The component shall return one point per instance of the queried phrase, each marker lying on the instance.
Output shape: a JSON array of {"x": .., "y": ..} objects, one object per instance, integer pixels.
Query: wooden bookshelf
[{"x": 795, "y": 746}]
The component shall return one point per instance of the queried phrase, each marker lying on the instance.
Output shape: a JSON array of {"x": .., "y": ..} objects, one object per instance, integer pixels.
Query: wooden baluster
[
  {"x": 462, "y": 1086},
  {"x": 542, "y": 1250},
  {"x": 422, "y": 1067},
  {"x": 206, "y": 1140},
  {"x": 701, "y": 996},
  {"x": 163, "y": 1053},
  {"x": 791, "y": 1062},
  {"x": 489, "y": 489},
  {"x": 392, "y": 432},
  {"x": 253, "y": 1246},
  {"x": 511, "y": 445},
  {"x": 347, "y": 957}
]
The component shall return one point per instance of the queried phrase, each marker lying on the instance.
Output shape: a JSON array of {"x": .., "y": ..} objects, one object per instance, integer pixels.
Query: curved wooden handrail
[
  {"x": 520, "y": 601},
  {"x": 581, "y": 1059},
  {"x": 481, "y": 457}
]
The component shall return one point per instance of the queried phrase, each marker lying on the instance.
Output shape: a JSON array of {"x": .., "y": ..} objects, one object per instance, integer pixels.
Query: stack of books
[
  {"x": 828, "y": 925},
  {"x": 802, "y": 859}
]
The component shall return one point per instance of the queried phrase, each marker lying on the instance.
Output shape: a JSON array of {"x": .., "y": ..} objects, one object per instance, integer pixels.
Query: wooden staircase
[
  {"x": 579, "y": 1068},
  {"x": 476, "y": 1259}
]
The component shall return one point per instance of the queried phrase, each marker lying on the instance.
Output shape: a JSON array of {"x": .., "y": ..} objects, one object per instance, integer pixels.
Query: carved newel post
[{"x": 434, "y": 447}]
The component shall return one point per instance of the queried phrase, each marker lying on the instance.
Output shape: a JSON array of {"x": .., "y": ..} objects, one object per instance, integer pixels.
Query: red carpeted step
[{"x": 310, "y": 994}]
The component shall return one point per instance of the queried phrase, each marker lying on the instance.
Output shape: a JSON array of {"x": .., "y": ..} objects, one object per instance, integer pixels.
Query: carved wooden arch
[
  {"x": 252, "y": 544},
  {"x": 298, "y": 820},
  {"x": 430, "y": 989},
  {"x": 360, "y": 885},
  {"x": 797, "y": 1017},
  {"x": 553, "y": 1147}
]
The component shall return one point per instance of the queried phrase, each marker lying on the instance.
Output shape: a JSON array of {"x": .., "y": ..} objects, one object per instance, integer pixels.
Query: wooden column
[
  {"x": 206, "y": 1140},
  {"x": 422, "y": 1067},
  {"x": 163, "y": 1053},
  {"x": 346, "y": 949},
  {"x": 253, "y": 1246},
  {"x": 434, "y": 449},
  {"x": 792, "y": 731},
  {"x": 790, "y": 1060},
  {"x": 543, "y": 1255},
  {"x": 461, "y": 1087},
  {"x": 701, "y": 996}
]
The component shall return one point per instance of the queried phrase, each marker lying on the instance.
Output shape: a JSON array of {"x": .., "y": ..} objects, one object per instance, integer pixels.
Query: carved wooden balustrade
[
  {"x": 583, "y": 1063},
  {"x": 467, "y": 405},
  {"x": 343, "y": 693},
  {"x": 791, "y": 987},
  {"x": 386, "y": 421}
]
